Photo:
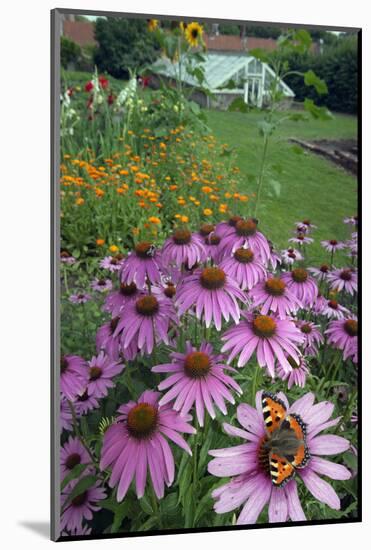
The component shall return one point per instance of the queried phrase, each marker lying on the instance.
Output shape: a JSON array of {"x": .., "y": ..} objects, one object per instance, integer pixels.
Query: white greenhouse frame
[{"x": 220, "y": 68}]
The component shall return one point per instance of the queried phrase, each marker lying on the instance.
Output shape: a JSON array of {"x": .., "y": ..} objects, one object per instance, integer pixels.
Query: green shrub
[
  {"x": 338, "y": 67},
  {"x": 124, "y": 44},
  {"x": 70, "y": 52}
]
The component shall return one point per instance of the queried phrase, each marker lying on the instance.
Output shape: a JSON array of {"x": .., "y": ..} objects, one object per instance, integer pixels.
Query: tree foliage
[
  {"x": 123, "y": 45},
  {"x": 338, "y": 67},
  {"x": 70, "y": 52}
]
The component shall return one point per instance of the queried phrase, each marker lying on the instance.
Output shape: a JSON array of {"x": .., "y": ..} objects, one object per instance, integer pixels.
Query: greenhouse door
[{"x": 253, "y": 91}]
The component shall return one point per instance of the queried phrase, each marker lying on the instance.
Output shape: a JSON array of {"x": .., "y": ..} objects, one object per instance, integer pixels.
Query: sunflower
[
  {"x": 152, "y": 24},
  {"x": 193, "y": 33}
]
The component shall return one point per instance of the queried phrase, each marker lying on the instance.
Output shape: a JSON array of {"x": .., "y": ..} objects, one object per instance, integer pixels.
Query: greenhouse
[{"x": 227, "y": 76}]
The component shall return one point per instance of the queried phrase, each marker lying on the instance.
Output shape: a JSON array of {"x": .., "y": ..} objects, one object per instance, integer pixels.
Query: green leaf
[
  {"x": 81, "y": 486},
  {"x": 320, "y": 113},
  {"x": 145, "y": 505},
  {"x": 276, "y": 187},
  {"x": 303, "y": 37},
  {"x": 351, "y": 460},
  {"x": 311, "y": 79},
  {"x": 73, "y": 474},
  {"x": 260, "y": 54},
  {"x": 266, "y": 128}
]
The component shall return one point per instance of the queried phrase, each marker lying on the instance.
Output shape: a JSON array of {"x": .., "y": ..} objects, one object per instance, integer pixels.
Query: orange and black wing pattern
[
  {"x": 302, "y": 455},
  {"x": 281, "y": 470},
  {"x": 274, "y": 411}
]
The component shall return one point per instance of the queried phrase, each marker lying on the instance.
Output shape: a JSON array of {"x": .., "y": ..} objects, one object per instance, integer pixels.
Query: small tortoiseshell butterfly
[{"x": 285, "y": 440}]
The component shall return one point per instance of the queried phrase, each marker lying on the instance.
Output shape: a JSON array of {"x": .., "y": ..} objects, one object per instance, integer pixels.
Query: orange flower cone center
[
  {"x": 275, "y": 286},
  {"x": 299, "y": 275},
  {"x": 142, "y": 420},
  {"x": 244, "y": 255},
  {"x": 197, "y": 364},
  {"x": 264, "y": 326},
  {"x": 212, "y": 278}
]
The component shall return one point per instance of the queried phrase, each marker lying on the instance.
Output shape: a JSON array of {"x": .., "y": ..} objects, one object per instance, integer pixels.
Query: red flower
[
  {"x": 110, "y": 99},
  {"x": 89, "y": 86},
  {"x": 103, "y": 82},
  {"x": 70, "y": 91}
]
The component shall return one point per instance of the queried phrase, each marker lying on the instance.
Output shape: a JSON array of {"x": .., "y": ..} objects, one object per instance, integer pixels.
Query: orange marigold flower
[
  {"x": 80, "y": 201},
  {"x": 113, "y": 248},
  {"x": 100, "y": 242},
  {"x": 154, "y": 219},
  {"x": 208, "y": 211}
]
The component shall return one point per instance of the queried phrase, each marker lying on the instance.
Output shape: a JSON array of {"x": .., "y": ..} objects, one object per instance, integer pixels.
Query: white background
[{"x": 24, "y": 242}]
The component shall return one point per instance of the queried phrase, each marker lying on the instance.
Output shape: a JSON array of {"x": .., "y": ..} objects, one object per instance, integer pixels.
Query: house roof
[
  {"x": 232, "y": 43},
  {"x": 218, "y": 69},
  {"x": 81, "y": 32}
]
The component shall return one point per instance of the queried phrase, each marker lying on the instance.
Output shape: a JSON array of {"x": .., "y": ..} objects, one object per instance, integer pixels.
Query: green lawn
[{"x": 310, "y": 186}]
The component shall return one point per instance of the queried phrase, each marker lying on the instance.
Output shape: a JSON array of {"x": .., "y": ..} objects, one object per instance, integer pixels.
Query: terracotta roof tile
[{"x": 80, "y": 32}]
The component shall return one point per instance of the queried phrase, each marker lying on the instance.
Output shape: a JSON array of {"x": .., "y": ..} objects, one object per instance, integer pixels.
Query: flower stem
[
  {"x": 254, "y": 384},
  {"x": 261, "y": 173},
  {"x": 78, "y": 434}
]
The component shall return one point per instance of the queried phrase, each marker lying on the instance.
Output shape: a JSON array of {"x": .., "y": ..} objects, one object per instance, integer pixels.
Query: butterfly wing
[
  {"x": 301, "y": 457},
  {"x": 274, "y": 411},
  {"x": 281, "y": 470}
]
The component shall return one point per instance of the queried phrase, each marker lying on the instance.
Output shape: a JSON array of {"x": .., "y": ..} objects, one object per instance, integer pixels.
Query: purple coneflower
[
  {"x": 272, "y": 295},
  {"x": 275, "y": 258},
  {"x": 137, "y": 441},
  {"x": 301, "y": 239},
  {"x": 101, "y": 370},
  {"x": 73, "y": 376},
  {"x": 213, "y": 293},
  {"x": 80, "y": 298},
  {"x": 197, "y": 377},
  {"x": 290, "y": 255},
  {"x": 351, "y": 220},
  {"x": 213, "y": 244},
  {"x": 141, "y": 266},
  {"x": 344, "y": 279},
  {"x": 305, "y": 225},
  {"x": 116, "y": 300},
  {"x": 85, "y": 403},
  {"x": 302, "y": 285},
  {"x": 112, "y": 263},
  {"x": 107, "y": 341},
  {"x": 268, "y": 336},
  {"x": 66, "y": 258},
  {"x": 248, "y": 464},
  {"x": 244, "y": 267},
  {"x": 145, "y": 322},
  {"x": 320, "y": 272},
  {"x": 183, "y": 247},
  {"x": 332, "y": 245},
  {"x": 333, "y": 310},
  {"x": 101, "y": 285},
  {"x": 312, "y": 337},
  {"x": 72, "y": 453},
  {"x": 166, "y": 289},
  {"x": 81, "y": 507},
  {"x": 297, "y": 376},
  {"x": 244, "y": 234},
  {"x": 343, "y": 335}
]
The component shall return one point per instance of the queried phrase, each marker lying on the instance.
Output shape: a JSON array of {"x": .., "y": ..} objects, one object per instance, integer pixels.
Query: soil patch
[{"x": 343, "y": 152}]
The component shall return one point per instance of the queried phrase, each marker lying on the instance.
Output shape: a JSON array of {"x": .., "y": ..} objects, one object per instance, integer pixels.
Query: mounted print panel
[{"x": 205, "y": 282}]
